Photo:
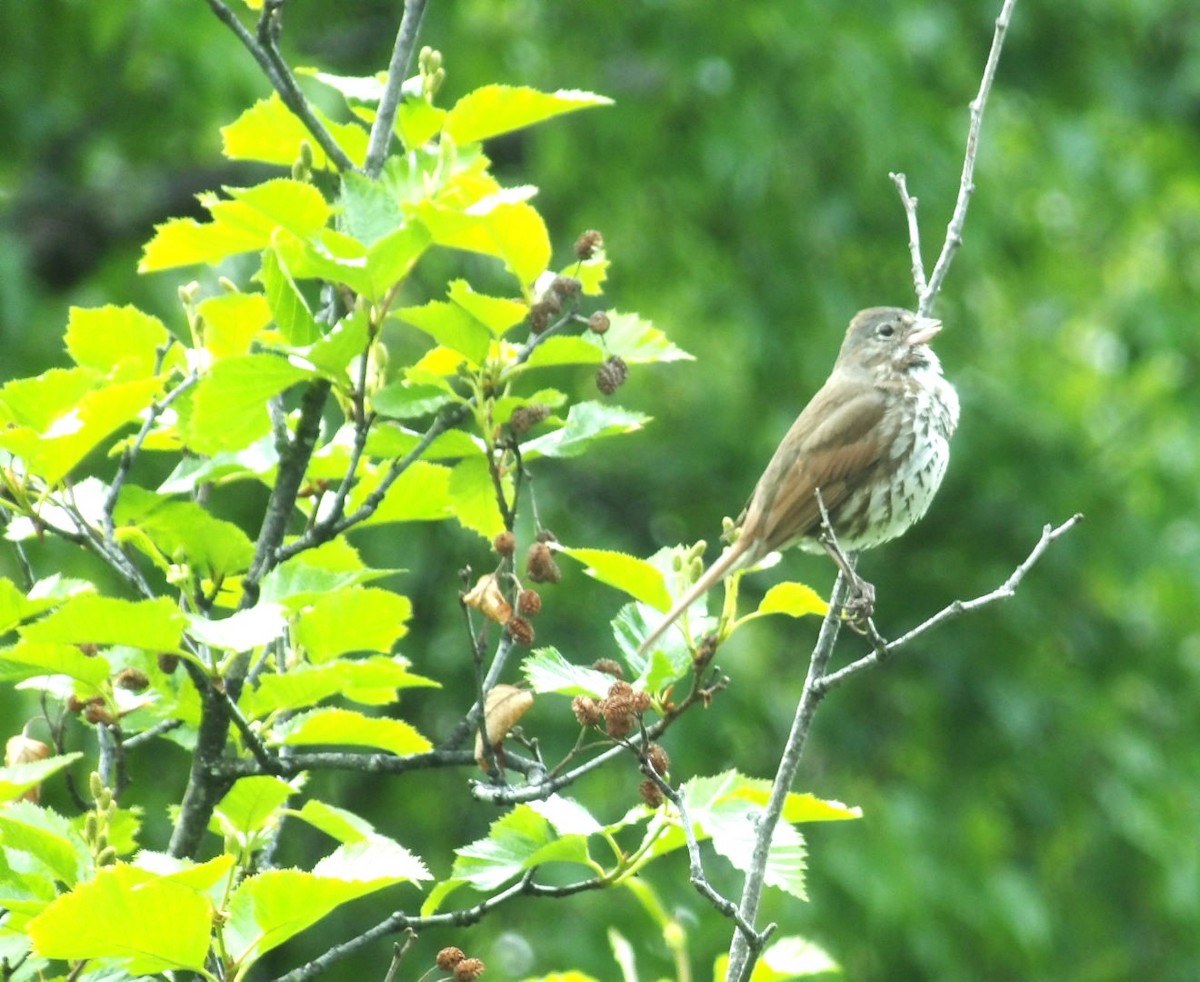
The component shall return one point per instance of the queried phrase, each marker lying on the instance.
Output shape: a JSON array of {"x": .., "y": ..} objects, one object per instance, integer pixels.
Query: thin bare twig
[
  {"x": 927, "y": 291},
  {"x": 389, "y": 103}
]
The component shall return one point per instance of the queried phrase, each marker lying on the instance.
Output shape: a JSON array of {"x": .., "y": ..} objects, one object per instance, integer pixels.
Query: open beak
[{"x": 924, "y": 330}]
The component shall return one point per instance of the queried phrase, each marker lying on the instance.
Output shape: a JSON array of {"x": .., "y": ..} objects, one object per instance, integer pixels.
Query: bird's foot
[{"x": 859, "y": 606}]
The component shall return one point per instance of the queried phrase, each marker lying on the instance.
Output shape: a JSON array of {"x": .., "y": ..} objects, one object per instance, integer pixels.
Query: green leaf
[
  {"x": 344, "y": 726},
  {"x": 370, "y": 681},
  {"x": 496, "y": 109},
  {"x": 637, "y": 341},
  {"x": 247, "y": 223},
  {"x": 793, "y": 599},
  {"x": 403, "y": 400},
  {"x": 183, "y": 532},
  {"x": 369, "y": 210},
  {"x": 352, "y": 619},
  {"x": 16, "y": 779},
  {"x": 79, "y": 422},
  {"x": 497, "y": 314},
  {"x": 788, "y": 958},
  {"x": 472, "y": 497},
  {"x": 450, "y": 326},
  {"x": 519, "y": 841},
  {"x": 547, "y": 670},
  {"x": 44, "y": 835},
  {"x": 232, "y": 321},
  {"x": 418, "y": 122},
  {"x": 326, "y": 569},
  {"x": 230, "y": 408},
  {"x": 270, "y": 132},
  {"x": 586, "y": 423},
  {"x": 636, "y": 577},
  {"x": 567, "y": 816},
  {"x": 564, "y": 349},
  {"x": 15, "y": 607},
  {"x": 108, "y": 337},
  {"x": 288, "y": 306},
  {"x": 150, "y": 923},
  {"x": 250, "y": 806},
  {"x": 518, "y": 236},
  {"x": 269, "y": 908},
  {"x": 420, "y": 494},
  {"x": 155, "y": 625},
  {"x": 26, "y": 660},
  {"x": 339, "y": 823},
  {"x": 348, "y": 339}
]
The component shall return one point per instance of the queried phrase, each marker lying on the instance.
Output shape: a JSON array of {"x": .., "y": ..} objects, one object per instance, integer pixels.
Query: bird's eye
[{"x": 887, "y": 330}]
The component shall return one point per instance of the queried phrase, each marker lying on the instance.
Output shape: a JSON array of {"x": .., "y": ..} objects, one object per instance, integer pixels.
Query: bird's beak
[{"x": 924, "y": 330}]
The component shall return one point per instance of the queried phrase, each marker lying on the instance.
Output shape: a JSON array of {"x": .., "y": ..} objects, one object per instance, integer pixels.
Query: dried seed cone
[
  {"x": 599, "y": 323},
  {"x": 651, "y": 793},
  {"x": 612, "y": 374},
  {"x": 505, "y": 544},
  {"x": 447, "y": 958},
  {"x": 586, "y": 710},
  {"x": 540, "y": 565},
  {"x": 529, "y": 603},
  {"x": 587, "y": 244}
]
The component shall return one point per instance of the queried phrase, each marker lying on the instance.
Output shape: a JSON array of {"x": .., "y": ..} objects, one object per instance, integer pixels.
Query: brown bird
[{"x": 872, "y": 445}]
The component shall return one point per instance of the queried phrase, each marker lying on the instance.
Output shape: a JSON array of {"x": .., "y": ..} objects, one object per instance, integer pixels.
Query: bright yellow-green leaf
[
  {"x": 498, "y": 314},
  {"x": 230, "y": 405},
  {"x": 450, "y": 326},
  {"x": 37, "y": 402},
  {"x": 105, "y": 337},
  {"x": 151, "y": 923},
  {"x": 636, "y": 577},
  {"x": 801, "y": 806},
  {"x": 638, "y": 341},
  {"x": 52, "y": 452},
  {"x": 155, "y": 625},
  {"x": 375, "y": 859},
  {"x": 793, "y": 599},
  {"x": 586, "y": 422},
  {"x": 251, "y": 805},
  {"x": 788, "y": 958},
  {"x": 270, "y": 907},
  {"x": 270, "y": 132},
  {"x": 248, "y": 222},
  {"x": 339, "y": 823},
  {"x": 15, "y": 607},
  {"x": 347, "y": 727},
  {"x": 232, "y": 321},
  {"x": 417, "y": 122},
  {"x": 473, "y": 496},
  {"x": 369, "y": 681},
  {"x": 496, "y": 109},
  {"x": 290, "y": 309},
  {"x": 354, "y": 619},
  {"x": 520, "y": 238},
  {"x": 16, "y": 779},
  {"x": 34, "y": 659},
  {"x": 420, "y": 494}
]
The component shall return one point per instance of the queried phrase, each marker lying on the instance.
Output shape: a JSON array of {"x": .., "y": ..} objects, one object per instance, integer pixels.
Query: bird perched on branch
[{"x": 869, "y": 450}]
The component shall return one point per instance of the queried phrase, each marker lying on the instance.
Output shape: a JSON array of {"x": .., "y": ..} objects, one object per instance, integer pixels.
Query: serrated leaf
[
  {"x": 339, "y": 823},
  {"x": 251, "y": 805},
  {"x": 376, "y": 860},
  {"x": 230, "y": 406},
  {"x": 75, "y": 422},
  {"x": 450, "y": 326},
  {"x": 369, "y": 210},
  {"x": 567, "y": 816},
  {"x": 498, "y": 314},
  {"x": 586, "y": 423},
  {"x": 107, "y": 337},
  {"x": 495, "y": 109},
  {"x": 519, "y": 236},
  {"x": 788, "y": 958},
  {"x": 420, "y": 494},
  {"x": 288, "y": 306},
  {"x": 16, "y": 607},
  {"x": 270, "y": 907},
  {"x": 370, "y": 681},
  {"x": 232, "y": 321},
  {"x": 566, "y": 349},
  {"x": 352, "y": 619},
  {"x": 348, "y": 339},
  {"x": 326, "y": 569},
  {"x": 547, "y": 670},
  {"x": 632, "y": 575},
  {"x": 637, "y": 341},
  {"x": 520, "y": 840},
  {"x": 270, "y": 132},
  {"x": 28, "y": 659},
  {"x": 154, "y": 625},
  {"x": 183, "y": 532},
  {"x": 346, "y": 727},
  {"x": 472, "y": 497},
  {"x": 403, "y": 400},
  {"x": 152, "y": 923}
]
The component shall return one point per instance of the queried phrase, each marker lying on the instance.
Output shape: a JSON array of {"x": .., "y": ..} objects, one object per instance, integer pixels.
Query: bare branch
[
  {"x": 914, "y": 234},
  {"x": 959, "y": 607},
  {"x": 281, "y": 78},
  {"x": 385, "y": 117}
]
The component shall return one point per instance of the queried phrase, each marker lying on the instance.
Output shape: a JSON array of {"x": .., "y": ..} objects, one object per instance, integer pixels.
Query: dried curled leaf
[
  {"x": 487, "y": 598},
  {"x": 502, "y": 710}
]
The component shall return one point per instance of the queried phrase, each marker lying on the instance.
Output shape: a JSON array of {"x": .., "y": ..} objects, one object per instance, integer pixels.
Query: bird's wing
[{"x": 833, "y": 445}]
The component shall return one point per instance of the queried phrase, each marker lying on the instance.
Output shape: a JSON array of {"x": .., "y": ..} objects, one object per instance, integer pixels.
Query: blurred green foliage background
[{"x": 1031, "y": 775}]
